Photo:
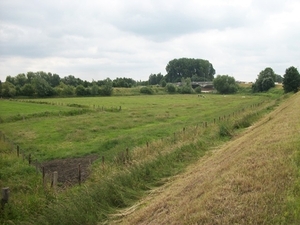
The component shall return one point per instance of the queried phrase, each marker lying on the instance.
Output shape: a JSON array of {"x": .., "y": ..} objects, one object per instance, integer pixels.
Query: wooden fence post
[
  {"x": 79, "y": 174},
  {"x": 103, "y": 162},
  {"x": 54, "y": 181},
  {"x": 36, "y": 166},
  {"x": 127, "y": 155},
  {"x": 18, "y": 150},
  {"x": 29, "y": 159},
  {"x": 43, "y": 172},
  {"x": 5, "y": 196}
]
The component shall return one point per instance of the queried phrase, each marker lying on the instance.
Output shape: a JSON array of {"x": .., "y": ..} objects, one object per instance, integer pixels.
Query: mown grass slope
[{"x": 253, "y": 179}]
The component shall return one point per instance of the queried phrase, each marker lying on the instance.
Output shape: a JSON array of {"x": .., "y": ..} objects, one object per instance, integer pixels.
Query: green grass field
[
  {"x": 72, "y": 127},
  {"x": 56, "y": 130}
]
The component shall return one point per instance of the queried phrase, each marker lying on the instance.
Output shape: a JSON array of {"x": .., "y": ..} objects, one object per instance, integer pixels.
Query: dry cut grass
[{"x": 246, "y": 181}]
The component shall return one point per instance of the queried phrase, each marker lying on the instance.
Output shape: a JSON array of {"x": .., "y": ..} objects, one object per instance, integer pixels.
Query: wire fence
[{"x": 77, "y": 172}]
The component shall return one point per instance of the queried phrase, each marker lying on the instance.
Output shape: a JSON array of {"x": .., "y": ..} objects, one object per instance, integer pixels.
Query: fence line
[{"x": 121, "y": 157}]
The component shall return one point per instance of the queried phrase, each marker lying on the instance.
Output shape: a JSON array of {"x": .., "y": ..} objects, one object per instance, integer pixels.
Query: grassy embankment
[
  {"x": 119, "y": 186},
  {"x": 253, "y": 179}
]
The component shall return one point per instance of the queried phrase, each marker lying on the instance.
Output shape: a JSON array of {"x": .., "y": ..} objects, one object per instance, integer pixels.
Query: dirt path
[
  {"x": 68, "y": 169},
  {"x": 242, "y": 182}
]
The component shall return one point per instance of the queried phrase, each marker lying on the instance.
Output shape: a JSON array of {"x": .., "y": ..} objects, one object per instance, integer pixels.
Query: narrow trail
[{"x": 242, "y": 182}]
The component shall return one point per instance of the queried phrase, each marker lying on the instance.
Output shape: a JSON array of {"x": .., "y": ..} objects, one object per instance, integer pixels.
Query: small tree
[
  {"x": 107, "y": 88},
  {"x": 8, "y": 90},
  {"x": 291, "y": 80},
  {"x": 198, "y": 89},
  {"x": 94, "y": 89},
  {"x": 265, "y": 80},
  {"x": 186, "y": 86},
  {"x": 80, "y": 90},
  {"x": 267, "y": 83},
  {"x": 225, "y": 84}
]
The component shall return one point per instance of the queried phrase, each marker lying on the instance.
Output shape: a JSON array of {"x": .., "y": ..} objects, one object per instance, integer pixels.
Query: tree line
[
  {"x": 266, "y": 80},
  {"x": 43, "y": 84},
  {"x": 183, "y": 71}
]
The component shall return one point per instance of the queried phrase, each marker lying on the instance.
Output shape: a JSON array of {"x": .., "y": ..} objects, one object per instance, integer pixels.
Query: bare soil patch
[{"x": 67, "y": 169}]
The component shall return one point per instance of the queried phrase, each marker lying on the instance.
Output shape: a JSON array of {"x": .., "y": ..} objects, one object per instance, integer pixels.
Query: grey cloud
[
  {"x": 98, "y": 39},
  {"x": 162, "y": 25}
]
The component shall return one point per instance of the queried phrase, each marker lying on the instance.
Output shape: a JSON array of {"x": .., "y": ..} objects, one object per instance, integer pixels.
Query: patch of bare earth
[
  {"x": 242, "y": 182},
  {"x": 68, "y": 169}
]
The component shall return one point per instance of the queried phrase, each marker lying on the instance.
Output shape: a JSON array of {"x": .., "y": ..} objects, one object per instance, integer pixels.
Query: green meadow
[
  {"x": 163, "y": 133},
  {"x": 73, "y": 127}
]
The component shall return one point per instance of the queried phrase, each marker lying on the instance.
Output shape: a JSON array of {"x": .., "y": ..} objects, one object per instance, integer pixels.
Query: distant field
[{"x": 72, "y": 127}]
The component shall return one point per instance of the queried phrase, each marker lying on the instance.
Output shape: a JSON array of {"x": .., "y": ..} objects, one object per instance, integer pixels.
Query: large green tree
[
  {"x": 265, "y": 80},
  {"x": 291, "y": 80},
  {"x": 27, "y": 90},
  {"x": 80, "y": 90},
  {"x": 54, "y": 80},
  {"x": 155, "y": 78},
  {"x": 8, "y": 90},
  {"x": 196, "y": 69},
  {"x": 20, "y": 80},
  {"x": 42, "y": 87},
  {"x": 121, "y": 82},
  {"x": 225, "y": 84},
  {"x": 94, "y": 89},
  {"x": 107, "y": 88},
  {"x": 64, "y": 90}
]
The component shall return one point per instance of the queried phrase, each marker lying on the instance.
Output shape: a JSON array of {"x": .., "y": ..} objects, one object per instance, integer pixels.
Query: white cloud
[{"x": 99, "y": 39}]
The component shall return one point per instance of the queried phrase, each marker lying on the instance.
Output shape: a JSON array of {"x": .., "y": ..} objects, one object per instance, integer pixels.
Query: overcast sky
[{"x": 96, "y": 39}]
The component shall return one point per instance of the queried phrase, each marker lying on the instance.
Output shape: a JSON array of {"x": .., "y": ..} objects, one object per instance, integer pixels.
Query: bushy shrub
[
  {"x": 171, "y": 88},
  {"x": 225, "y": 130},
  {"x": 146, "y": 90},
  {"x": 198, "y": 90},
  {"x": 185, "y": 90},
  {"x": 225, "y": 84},
  {"x": 163, "y": 83}
]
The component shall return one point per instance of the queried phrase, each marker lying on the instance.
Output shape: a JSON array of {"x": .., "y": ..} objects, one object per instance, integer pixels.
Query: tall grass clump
[
  {"x": 246, "y": 121},
  {"x": 225, "y": 130},
  {"x": 25, "y": 186}
]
